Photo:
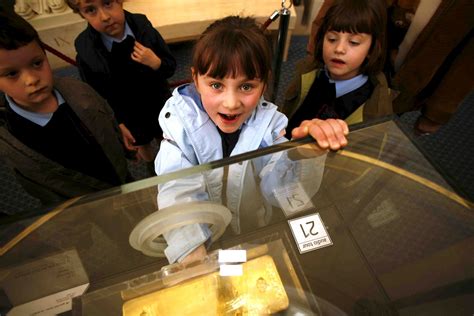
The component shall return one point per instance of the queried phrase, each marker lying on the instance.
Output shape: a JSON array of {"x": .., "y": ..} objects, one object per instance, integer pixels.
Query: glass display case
[{"x": 373, "y": 229}]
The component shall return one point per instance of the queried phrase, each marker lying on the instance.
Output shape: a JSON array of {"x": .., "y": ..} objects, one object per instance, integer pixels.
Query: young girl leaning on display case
[
  {"x": 223, "y": 113},
  {"x": 344, "y": 79}
]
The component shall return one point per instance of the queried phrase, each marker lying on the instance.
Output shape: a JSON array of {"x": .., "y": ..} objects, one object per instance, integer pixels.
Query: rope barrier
[
  {"x": 59, "y": 54},
  {"x": 280, "y": 46},
  {"x": 270, "y": 19}
]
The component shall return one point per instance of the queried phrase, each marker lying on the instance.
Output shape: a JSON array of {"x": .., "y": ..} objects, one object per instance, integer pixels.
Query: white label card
[
  {"x": 54, "y": 304},
  {"x": 292, "y": 198},
  {"x": 232, "y": 256},
  {"x": 309, "y": 233},
  {"x": 231, "y": 270}
]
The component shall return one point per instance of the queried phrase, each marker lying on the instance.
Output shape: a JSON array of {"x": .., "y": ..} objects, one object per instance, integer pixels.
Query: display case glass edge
[{"x": 415, "y": 140}]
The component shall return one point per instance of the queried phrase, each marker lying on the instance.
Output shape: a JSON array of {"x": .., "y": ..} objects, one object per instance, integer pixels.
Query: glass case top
[{"x": 392, "y": 232}]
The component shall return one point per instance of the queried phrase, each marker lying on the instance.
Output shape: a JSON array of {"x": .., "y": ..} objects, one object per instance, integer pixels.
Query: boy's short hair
[
  {"x": 231, "y": 46},
  {"x": 357, "y": 16},
  {"x": 16, "y": 32},
  {"x": 74, "y": 5}
]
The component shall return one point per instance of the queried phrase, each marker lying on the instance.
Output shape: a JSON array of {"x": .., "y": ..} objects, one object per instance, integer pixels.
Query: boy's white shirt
[
  {"x": 109, "y": 40},
  {"x": 40, "y": 119},
  {"x": 191, "y": 138},
  {"x": 347, "y": 85}
]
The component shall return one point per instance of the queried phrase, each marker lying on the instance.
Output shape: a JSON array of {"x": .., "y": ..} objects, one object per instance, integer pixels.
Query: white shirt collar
[
  {"x": 109, "y": 40},
  {"x": 348, "y": 85},
  {"x": 38, "y": 118}
]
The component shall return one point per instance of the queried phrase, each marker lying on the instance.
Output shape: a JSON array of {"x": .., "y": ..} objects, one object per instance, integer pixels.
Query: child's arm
[
  {"x": 329, "y": 134},
  {"x": 184, "y": 240},
  {"x": 145, "y": 56},
  {"x": 104, "y": 88},
  {"x": 196, "y": 255},
  {"x": 90, "y": 77},
  {"x": 157, "y": 44},
  {"x": 175, "y": 155},
  {"x": 304, "y": 165},
  {"x": 128, "y": 139}
]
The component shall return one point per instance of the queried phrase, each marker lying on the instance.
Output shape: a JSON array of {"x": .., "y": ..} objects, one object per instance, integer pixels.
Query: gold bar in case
[{"x": 259, "y": 291}]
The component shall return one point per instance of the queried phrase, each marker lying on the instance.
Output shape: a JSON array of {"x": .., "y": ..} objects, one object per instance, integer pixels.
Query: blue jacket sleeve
[{"x": 181, "y": 241}]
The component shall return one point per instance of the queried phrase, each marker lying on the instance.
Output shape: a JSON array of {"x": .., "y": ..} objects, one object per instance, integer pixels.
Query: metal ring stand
[{"x": 147, "y": 235}]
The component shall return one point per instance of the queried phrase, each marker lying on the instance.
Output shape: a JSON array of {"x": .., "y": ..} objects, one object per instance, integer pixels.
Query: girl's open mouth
[
  {"x": 337, "y": 61},
  {"x": 229, "y": 117}
]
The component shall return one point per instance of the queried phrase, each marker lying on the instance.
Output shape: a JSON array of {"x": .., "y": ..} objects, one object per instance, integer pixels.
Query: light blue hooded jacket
[{"x": 191, "y": 138}]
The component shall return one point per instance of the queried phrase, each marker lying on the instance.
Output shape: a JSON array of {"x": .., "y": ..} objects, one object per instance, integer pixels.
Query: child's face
[
  {"x": 229, "y": 101},
  {"x": 105, "y": 16},
  {"x": 344, "y": 53},
  {"x": 25, "y": 76}
]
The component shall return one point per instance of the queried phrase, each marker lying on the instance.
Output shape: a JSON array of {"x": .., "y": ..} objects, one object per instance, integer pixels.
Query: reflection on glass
[
  {"x": 401, "y": 237},
  {"x": 256, "y": 192}
]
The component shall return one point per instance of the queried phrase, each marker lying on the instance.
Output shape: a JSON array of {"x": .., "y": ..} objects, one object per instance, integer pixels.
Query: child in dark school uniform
[
  {"x": 344, "y": 79},
  {"x": 126, "y": 60},
  {"x": 57, "y": 134}
]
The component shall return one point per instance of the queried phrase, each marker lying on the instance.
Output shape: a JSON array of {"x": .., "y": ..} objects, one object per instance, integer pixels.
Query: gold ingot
[{"x": 258, "y": 291}]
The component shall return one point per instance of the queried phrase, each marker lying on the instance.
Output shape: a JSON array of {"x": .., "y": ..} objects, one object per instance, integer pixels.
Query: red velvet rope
[{"x": 59, "y": 54}]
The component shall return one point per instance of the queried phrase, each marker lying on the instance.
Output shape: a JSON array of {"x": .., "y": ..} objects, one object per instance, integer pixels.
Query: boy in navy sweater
[
  {"x": 58, "y": 135},
  {"x": 126, "y": 60}
]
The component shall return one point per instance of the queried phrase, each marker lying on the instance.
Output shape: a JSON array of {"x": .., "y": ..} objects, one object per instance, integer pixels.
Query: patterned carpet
[{"x": 449, "y": 149}]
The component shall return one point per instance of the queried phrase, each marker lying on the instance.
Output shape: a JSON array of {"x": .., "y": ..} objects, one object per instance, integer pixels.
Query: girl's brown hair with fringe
[
  {"x": 233, "y": 46},
  {"x": 357, "y": 16}
]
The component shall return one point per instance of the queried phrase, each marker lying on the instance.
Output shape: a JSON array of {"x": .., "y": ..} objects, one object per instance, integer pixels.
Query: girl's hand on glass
[
  {"x": 329, "y": 134},
  {"x": 144, "y": 55}
]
